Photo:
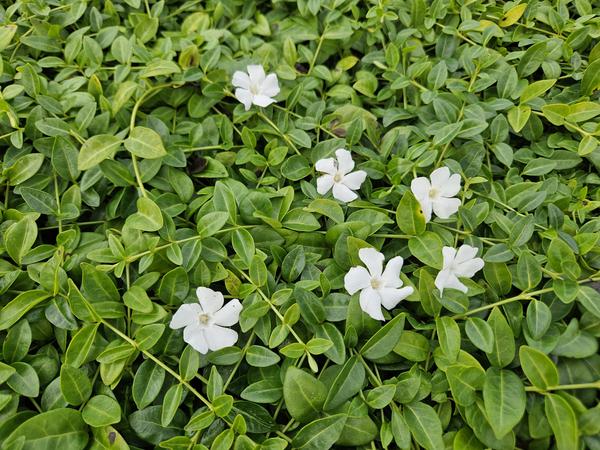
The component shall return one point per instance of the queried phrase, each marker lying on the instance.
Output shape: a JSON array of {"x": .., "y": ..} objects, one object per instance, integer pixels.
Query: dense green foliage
[{"x": 130, "y": 175}]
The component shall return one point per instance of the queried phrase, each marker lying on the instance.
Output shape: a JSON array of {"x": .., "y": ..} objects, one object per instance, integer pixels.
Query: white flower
[
  {"x": 203, "y": 322},
  {"x": 255, "y": 87},
  {"x": 339, "y": 176},
  {"x": 458, "y": 263},
  {"x": 378, "y": 287},
  {"x": 437, "y": 194}
]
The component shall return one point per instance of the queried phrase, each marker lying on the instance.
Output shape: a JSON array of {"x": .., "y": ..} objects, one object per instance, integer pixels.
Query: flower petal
[
  {"x": 449, "y": 254},
  {"x": 469, "y": 268},
  {"x": 345, "y": 161},
  {"x": 229, "y": 314},
  {"x": 446, "y": 279},
  {"x": 391, "y": 274},
  {"x": 445, "y": 207},
  {"x": 343, "y": 194},
  {"x": 211, "y": 301},
  {"x": 465, "y": 253},
  {"x": 420, "y": 188},
  {"x": 257, "y": 73},
  {"x": 391, "y": 297},
  {"x": 241, "y": 80},
  {"x": 452, "y": 186},
  {"x": 219, "y": 337},
  {"x": 373, "y": 260},
  {"x": 245, "y": 97},
  {"x": 270, "y": 86},
  {"x": 195, "y": 336},
  {"x": 326, "y": 165},
  {"x": 354, "y": 180},
  {"x": 370, "y": 302},
  {"x": 439, "y": 178},
  {"x": 356, "y": 279},
  {"x": 324, "y": 183},
  {"x": 262, "y": 100},
  {"x": 187, "y": 314}
]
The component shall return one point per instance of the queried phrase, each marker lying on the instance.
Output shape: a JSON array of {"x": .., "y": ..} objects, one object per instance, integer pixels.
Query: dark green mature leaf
[
  {"x": 147, "y": 383},
  {"x": 19, "y": 306},
  {"x": 346, "y": 384},
  {"x": 304, "y": 395},
  {"x": 563, "y": 421},
  {"x": 504, "y": 400},
  {"x": 59, "y": 428},
  {"x": 75, "y": 386},
  {"x": 538, "y": 368},
  {"x": 320, "y": 434},
  {"x": 424, "y": 425},
  {"x": 382, "y": 342}
]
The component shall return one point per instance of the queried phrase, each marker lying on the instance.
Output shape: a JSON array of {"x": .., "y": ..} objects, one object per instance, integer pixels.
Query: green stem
[{"x": 564, "y": 387}]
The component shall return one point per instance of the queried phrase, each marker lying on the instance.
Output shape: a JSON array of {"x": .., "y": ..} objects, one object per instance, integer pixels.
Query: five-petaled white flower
[
  {"x": 339, "y": 176},
  {"x": 437, "y": 194},
  {"x": 203, "y": 322},
  {"x": 458, "y": 263},
  {"x": 254, "y": 87},
  {"x": 378, "y": 287}
]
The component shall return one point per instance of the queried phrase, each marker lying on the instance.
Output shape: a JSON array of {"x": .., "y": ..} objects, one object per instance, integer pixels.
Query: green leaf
[
  {"x": 503, "y": 351},
  {"x": 589, "y": 299},
  {"x": 427, "y": 248},
  {"x": 383, "y": 342},
  {"x": 148, "y": 216},
  {"x": 518, "y": 117},
  {"x": 591, "y": 78},
  {"x": 381, "y": 396},
  {"x": 449, "y": 336},
  {"x": 536, "y": 89},
  {"x": 504, "y": 400},
  {"x": 320, "y": 434},
  {"x": 101, "y": 410},
  {"x": 19, "y": 306},
  {"x": 24, "y": 168},
  {"x": 347, "y": 383},
  {"x": 243, "y": 244},
  {"x": 303, "y": 394},
  {"x": 60, "y": 428},
  {"x": 409, "y": 217},
  {"x": 424, "y": 425},
  {"x": 311, "y": 307},
  {"x": 211, "y": 223},
  {"x": 75, "y": 386},
  {"x": 147, "y": 383},
  {"x": 24, "y": 380},
  {"x": 563, "y": 422},
  {"x": 480, "y": 334},
  {"x": 145, "y": 143},
  {"x": 538, "y": 318},
  {"x": 39, "y": 201},
  {"x": 171, "y": 402},
  {"x": 96, "y": 149},
  {"x": 20, "y": 237},
  {"x": 538, "y": 368},
  {"x": 258, "y": 356}
]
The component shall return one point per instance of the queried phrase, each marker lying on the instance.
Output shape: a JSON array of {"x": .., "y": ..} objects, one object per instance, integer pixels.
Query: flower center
[
  {"x": 338, "y": 177},
  {"x": 433, "y": 193},
  {"x": 376, "y": 283},
  {"x": 254, "y": 89},
  {"x": 204, "y": 319}
]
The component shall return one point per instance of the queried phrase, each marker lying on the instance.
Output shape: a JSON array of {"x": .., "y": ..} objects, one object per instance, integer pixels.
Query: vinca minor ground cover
[{"x": 299, "y": 224}]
